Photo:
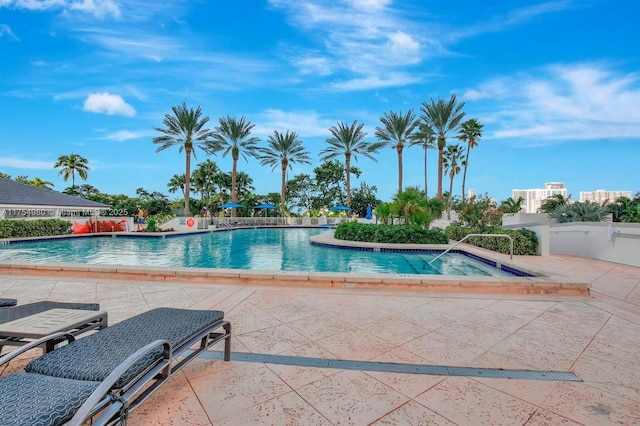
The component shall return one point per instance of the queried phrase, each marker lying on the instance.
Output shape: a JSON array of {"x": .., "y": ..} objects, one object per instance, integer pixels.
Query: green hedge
[
  {"x": 525, "y": 242},
  {"x": 353, "y": 231},
  {"x": 34, "y": 228}
]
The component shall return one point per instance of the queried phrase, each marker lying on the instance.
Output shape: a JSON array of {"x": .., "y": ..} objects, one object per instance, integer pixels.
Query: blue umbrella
[
  {"x": 230, "y": 205},
  {"x": 368, "y": 216},
  {"x": 265, "y": 206},
  {"x": 340, "y": 208}
]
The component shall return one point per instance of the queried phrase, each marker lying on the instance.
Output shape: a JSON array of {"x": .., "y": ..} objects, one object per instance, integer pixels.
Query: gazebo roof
[{"x": 16, "y": 194}]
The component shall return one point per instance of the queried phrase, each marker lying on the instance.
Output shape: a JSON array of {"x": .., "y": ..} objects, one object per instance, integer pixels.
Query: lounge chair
[
  {"x": 21, "y": 311},
  {"x": 109, "y": 373},
  {"x": 16, "y": 312},
  {"x": 7, "y": 302}
]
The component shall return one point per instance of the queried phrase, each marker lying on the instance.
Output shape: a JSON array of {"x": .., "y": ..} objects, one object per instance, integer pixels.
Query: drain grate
[{"x": 390, "y": 367}]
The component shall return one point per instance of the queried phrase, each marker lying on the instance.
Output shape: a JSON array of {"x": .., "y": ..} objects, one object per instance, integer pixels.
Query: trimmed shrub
[
  {"x": 34, "y": 228},
  {"x": 525, "y": 241},
  {"x": 366, "y": 232}
]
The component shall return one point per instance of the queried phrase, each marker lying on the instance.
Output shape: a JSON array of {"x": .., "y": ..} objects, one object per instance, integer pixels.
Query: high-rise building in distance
[
  {"x": 533, "y": 198},
  {"x": 601, "y": 196}
]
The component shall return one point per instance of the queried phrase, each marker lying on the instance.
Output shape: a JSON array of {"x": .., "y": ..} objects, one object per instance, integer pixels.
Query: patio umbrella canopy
[
  {"x": 230, "y": 205},
  {"x": 265, "y": 206},
  {"x": 340, "y": 208}
]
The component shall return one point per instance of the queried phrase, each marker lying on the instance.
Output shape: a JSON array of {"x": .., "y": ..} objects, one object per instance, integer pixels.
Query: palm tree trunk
[
  {"x": 283, "y": 187},
  {"x": 440, "y": 155},
  {"x": 426, "y": 191},
  {"x": 234, "y": 194},
  {"x": 187, "y": 180},
  {"x": 464, "y": 175},
  {"x": 450, "y": 194},
  {"x": 347, "y": 161},
  {"x": 399, "y": 149}
]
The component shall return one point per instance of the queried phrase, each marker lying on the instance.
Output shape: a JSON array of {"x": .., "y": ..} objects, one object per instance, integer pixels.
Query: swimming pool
[{"x": 269, "y": 249}]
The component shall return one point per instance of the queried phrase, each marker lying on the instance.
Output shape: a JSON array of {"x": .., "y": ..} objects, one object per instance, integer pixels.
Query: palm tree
[
  {"x": 579, "y": 212},
  {"x": 348, "y": 141},
  {"x": 71, "y": 164},
  {"x": 425, "y": 137},
  {"x": 204, "y": 180},
  {"x": 470, "y": 132},
  {"x": 444, "y": 118},
  {"x": 232, "y": 136},
  {"x": 554, "y": 201},
  {"x": 244, "y": 185},
  {"x": 452, "y": 160},
  {"x": 176, "y": 182},
  {"x": 36, "y": 181},
  {"x": 396, "y": 131},
  {"x": 382, "y": 212},
  {"x": 411, "y": 202},
  {"x": 511, "y": 206},
  {"x": 283, "y": 150},
  {"x": 185, "y": 128}
]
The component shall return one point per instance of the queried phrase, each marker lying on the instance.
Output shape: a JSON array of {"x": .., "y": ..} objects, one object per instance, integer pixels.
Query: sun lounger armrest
[
  {"x": 34, "y": 344},
  {"x": 87, "y": 409}
]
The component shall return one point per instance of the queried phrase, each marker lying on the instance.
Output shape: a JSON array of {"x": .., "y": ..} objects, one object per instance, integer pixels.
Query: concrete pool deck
[{"x": 595, "y": 336}]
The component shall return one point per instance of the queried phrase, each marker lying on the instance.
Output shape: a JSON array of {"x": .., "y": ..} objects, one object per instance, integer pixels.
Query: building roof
[{"x": 14, "y": 193}]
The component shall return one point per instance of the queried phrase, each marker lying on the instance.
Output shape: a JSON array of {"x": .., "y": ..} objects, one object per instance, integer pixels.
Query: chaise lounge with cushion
[
  {"x": 109, "y": 373},
  {"x": 7, "y": 302},
  {"x": 16, "y": 312},
  {"x": 8, "y": 314}
]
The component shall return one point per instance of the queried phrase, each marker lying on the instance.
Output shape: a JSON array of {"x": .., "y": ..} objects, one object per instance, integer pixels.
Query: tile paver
[{"x": 597, "y": 337}]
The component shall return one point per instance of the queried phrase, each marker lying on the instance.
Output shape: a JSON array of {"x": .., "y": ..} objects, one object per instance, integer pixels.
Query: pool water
[{"x": 271, "y": 249}]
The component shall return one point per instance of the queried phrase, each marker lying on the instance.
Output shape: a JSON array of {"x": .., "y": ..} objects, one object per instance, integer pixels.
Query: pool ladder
[{"x": 474, "y": 235}]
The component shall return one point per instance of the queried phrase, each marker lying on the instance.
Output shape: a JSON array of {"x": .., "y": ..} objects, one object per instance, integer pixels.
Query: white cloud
[
  {"x": 305, "y": 123},
  {"x": 493, "y": 89},
  {"x": 373, "y": 38},
  {"x": 106, "y": 103},
  {"x": 368, "y": 38},
  {"x": 565, "y": 102},
  {"x": 314, "y": 65},
  {"x": 402, "y": 49},
  {"x": 500, "y": 22},
  {"x": 376, "y": 81},
  {"x": 369, "y": 4},
  {"x": 125, "y": 135},
  {"x": 5, "y": 30},
  {"x": 97, "y": 8},
  {"x": 18, "y": 163}
]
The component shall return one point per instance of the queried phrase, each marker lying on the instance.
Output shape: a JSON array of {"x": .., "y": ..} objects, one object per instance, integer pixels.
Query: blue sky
[{"x": 556, "y": 84}]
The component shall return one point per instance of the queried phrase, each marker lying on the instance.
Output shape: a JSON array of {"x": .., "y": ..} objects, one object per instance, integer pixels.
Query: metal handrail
[
  {"x": 474, "y": 235},
  {"x": 622, "y": 234}
]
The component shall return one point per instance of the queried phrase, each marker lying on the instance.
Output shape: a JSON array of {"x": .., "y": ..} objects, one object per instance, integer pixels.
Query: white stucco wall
[
  {"x": 509, "y": 219},
  {"x": 614, "y": 242}
]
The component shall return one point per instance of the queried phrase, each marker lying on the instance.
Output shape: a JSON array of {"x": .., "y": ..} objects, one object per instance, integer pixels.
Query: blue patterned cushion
[
  {"x": 95, "y": 356},
  {"x": 36, "y": 400}
]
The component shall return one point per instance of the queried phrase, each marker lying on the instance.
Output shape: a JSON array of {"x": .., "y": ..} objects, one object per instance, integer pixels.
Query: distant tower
[
  {"x": 601, "y": 196},
  {"x": 472, "y": 193},
  {"x": 533, "y": 198}
]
